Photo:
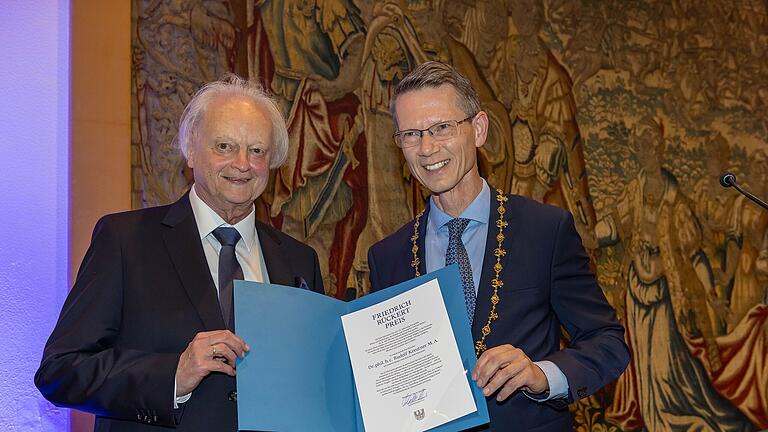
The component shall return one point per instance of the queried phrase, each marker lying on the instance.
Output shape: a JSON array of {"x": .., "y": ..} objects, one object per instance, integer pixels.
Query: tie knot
[
  {"x": 227, "y": 236},
  {"x": 457, "y": 226}
]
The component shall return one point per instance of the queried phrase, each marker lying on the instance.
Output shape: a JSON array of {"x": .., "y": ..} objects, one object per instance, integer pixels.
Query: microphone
[{"x": 729, "y": 179}]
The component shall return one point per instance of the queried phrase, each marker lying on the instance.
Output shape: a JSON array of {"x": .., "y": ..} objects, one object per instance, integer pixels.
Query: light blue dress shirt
[{"x": 474, "y": 239}]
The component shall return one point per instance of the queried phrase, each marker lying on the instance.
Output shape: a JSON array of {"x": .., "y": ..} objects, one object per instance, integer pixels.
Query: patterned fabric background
[{"x": 624, "y": 112}]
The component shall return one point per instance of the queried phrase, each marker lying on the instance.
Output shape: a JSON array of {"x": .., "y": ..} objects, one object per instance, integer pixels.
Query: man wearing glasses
[{"x": 523, "y": 268}]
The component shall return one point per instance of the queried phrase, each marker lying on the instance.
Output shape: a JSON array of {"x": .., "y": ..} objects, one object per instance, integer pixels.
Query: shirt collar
[
  {"x": 478, "y": 210},
  {"x": 208, "y": 220}
]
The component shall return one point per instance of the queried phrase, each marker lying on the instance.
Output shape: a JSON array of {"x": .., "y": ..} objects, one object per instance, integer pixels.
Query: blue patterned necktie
[
  {"x": 457, "y": 254},
  {"x": 229, "y": 270}
]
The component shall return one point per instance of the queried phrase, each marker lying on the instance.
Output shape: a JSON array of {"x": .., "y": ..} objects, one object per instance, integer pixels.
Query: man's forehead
[
  {"x": 445, "y": 89},
  {"x": 428, "y": 102},
  {"x": 231, "y": 116},
  {"x": 226, "y": 107},
  {"x": 231, "y": 102}
]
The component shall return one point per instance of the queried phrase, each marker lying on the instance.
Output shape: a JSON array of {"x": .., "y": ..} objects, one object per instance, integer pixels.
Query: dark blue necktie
[
  {"x": 457, "y": 254},
  {"x": 229, "y": 270}
]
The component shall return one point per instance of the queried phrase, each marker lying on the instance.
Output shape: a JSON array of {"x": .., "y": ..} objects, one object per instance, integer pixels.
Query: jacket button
[{"x": 232, "y": 396}]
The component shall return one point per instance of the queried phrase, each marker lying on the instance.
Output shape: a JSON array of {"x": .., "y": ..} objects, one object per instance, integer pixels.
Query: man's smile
[
  {"x": 436, "y": 166},
  {"x": 237, "y": 180}
]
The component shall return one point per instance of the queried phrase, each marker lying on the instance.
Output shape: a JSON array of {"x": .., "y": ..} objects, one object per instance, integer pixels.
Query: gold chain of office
[{"x": 496, "y": 283}]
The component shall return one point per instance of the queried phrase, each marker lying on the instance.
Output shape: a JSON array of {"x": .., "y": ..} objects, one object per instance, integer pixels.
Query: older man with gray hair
[{"x": 146, "y": 339}]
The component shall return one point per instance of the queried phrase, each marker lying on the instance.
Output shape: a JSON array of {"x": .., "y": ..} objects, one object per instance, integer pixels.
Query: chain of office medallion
[{"x": 496, "y": 283}]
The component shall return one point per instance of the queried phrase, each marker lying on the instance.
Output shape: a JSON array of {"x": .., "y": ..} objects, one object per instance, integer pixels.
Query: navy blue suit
[
  {"x": 143, "y": 291},
  {"x": 547, "y": 284}
]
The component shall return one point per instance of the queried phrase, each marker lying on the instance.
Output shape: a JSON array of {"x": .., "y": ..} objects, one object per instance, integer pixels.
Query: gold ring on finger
[{"x": 213, "y": 350}]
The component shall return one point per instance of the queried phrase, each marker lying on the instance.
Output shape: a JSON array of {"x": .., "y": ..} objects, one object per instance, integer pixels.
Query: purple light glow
[{"x": 34, "y": 191}]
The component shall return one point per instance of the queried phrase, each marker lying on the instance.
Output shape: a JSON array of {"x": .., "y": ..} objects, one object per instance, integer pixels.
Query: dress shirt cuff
[
  {"x": 558, "y": 384},
  {"x": 179, "y": 399}
]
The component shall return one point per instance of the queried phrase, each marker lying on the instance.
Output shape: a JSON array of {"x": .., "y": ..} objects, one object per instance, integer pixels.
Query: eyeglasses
[{"x": 439, "y": 131}]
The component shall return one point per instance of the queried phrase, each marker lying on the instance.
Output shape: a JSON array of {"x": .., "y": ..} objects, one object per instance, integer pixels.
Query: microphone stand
[{"x": 729, "y": 179}]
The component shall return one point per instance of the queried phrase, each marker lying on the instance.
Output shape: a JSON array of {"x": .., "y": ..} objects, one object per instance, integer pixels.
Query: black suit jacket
[
  {"x": 547, "y": 284},
  {"x": 143, "y": 291}
]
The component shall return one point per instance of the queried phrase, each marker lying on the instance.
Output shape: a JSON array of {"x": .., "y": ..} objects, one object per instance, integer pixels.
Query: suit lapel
[
  {"x": 186, "y": 251},
  {"x": 274, "y": 258},
  {"x": 485, "y": 290}
]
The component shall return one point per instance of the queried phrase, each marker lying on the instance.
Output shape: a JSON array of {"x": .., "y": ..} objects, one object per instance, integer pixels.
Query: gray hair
[
  {"x": 434, "y": 74},
  {"x": 233, "y": 85}
]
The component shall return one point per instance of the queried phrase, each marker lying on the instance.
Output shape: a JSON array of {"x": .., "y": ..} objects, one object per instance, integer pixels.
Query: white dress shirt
[{"x": 247, "y": 250}]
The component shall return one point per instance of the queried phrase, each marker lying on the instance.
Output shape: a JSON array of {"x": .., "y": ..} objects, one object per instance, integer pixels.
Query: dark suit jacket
[
  {"x": 143, "y": 291},
  {"x": 547, "y": 283}
]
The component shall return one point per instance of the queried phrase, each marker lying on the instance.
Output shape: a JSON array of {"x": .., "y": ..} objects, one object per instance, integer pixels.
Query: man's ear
[
  {"x": 191, "y": 155},
  {"x": 481, "y": 128}
]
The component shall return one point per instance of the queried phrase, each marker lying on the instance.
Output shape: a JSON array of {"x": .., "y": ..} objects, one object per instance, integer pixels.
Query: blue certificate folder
[{"x": 298, "y": 376}]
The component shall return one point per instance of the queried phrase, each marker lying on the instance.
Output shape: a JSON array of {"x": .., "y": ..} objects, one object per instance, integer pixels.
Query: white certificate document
[{"x": 407, "y": 368}]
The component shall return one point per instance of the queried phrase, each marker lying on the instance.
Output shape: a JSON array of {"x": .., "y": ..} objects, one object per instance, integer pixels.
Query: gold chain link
[{"x": 496, "y": 283}]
